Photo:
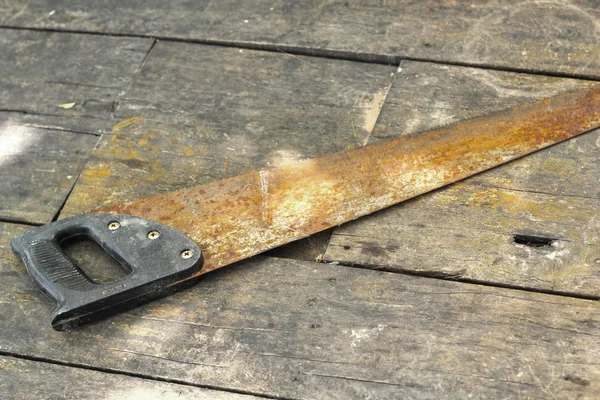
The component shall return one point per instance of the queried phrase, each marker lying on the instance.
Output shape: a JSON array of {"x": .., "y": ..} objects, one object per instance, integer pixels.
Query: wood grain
[
  {"x": 42, "y": 70},
  {"x": 24, "y": 379},
  {"x": 295, "y": 329},
  {"x": 43, "y": 147},
  {"x": 38, "y": 168},
  {"x": 467, "y": 231},
  {"x": 559, "y": 37}
]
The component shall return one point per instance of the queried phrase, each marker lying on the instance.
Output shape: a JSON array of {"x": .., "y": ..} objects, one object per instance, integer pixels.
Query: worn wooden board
[
  {"x": 295, "y": 329},
  {"x": 43, "y": 147},
  {"x": 200, "y": 113},
  {"x": 467, "y": 230},
  {"x": 23, "y": 379},
  {"x": 42, "y": 70},
  {"x": 558, "y": 37},
  {"x": 38, "y": 168}
]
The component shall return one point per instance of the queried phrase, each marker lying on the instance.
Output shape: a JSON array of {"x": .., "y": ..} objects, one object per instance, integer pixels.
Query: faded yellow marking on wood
[
  {"x": 94, "y": 174},
  {"x": 9, "y": 259},
  {"x": 156, "y": 171},
  {"x": 123, "y": 147},
  {"x": 120, "y": 148},
  {"x": 145, "y": 140},
  {"x": 13, "y": 298},
  {"x": 125, "y": 123},
  {"x": 514, "y": 203}
]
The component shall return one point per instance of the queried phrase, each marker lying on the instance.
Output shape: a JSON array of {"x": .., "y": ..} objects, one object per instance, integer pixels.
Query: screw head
[
  {"x": 114, "y": 225},
  {"x": 153, "y": 235},
  {"x": 187, "y": 253}
]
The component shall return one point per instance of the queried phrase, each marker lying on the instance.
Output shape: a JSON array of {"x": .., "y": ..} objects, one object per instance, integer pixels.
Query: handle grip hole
[{"x": 96, "y": 264}]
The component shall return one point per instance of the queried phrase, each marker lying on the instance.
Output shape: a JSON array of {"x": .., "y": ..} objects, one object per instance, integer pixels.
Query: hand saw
[{"x": 171, "y": 238}]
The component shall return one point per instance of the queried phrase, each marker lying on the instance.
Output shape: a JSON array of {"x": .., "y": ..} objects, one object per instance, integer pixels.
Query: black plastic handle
[{"x": 154, "y": 254}]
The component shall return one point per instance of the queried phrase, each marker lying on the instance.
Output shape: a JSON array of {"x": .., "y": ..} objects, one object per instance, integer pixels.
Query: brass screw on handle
[
  {"x": 113, "y": 225},
  {"x": 153, "y": 235},
  {"x": 187, "y": 253}
]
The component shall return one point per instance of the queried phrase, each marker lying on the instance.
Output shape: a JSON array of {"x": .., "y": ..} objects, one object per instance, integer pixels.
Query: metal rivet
[
  {"x": 113, "y": 225},
  {"x": 153, "y": 235},
  {"x": 187, "y": 253}
]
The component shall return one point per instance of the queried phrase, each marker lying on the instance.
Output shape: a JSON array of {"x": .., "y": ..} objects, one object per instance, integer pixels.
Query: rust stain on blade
[{"x": 242, "y": 216}]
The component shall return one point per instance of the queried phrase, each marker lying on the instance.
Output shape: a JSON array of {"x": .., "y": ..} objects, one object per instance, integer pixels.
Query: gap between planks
[
  {"x": 455, "y": 278},
  {"x": 132, "y": 374},
  {"x": 372, "y": 58}
]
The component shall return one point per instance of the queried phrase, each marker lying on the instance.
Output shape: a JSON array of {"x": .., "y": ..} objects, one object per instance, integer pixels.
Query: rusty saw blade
[
  {"x": 239, "y": 217},
  {"x": 236, "y": 218}
]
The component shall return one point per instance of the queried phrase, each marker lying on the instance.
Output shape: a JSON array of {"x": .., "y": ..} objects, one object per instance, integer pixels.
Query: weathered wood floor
[{"x": 172, "y": 94}]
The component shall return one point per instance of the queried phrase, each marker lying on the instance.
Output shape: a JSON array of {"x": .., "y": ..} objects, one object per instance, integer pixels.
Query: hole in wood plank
[
  {"x": 533, "y": 241},
  {"x": 95, "y": 263}
]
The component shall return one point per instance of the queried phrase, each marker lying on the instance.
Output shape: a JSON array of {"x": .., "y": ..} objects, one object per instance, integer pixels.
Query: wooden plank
[
  {"x": 555, "y": 37},
  {"x": 295, "y": 329},
  {"x": 38, "y": 168},
  {"x": 42, "y": 70},
  {"x": 24, "y": 379},
  {"x": 43, "y": 147},
  {"x": 200, "y": 113},
  {"x": 467, "y": 231}
]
